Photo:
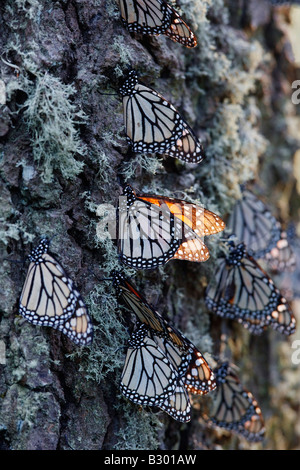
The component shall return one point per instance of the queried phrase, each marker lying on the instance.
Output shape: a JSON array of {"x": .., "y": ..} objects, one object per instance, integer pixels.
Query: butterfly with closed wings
[
  {"x": 49, "y": 297},
  {"x": 253, "y": 224},
  {"x": 153, "y": 125},
  {"x": 154, "y": 17},
  {"x": 233, "y": 407},
  {"x": 154, "y": 229},
  {"x": 149, "y": 378},
  {"x": 242, "y": 291}
]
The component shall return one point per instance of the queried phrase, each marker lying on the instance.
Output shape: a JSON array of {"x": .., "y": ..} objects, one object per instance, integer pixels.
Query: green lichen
[
  {"x": 106, "y": 355},
  {"x": 52, "y": 119},
  {"x": 31, "y": 8},
  {"x": 140, "y": 431},
  {"x": 21, "y": 413},
  {"x": 195, "y": 12},
  {"x": 27, "y": 59},
  {"x": 11, "y": 225},
  {"x": 23, "y": 10},
  {"x": 125, "y": 54},
  {"x": 105, "y": 172},
  {"x": 11, "y": 231},
  {"x": 50, "y": 113},
  {"x": 141, "y": 164}
]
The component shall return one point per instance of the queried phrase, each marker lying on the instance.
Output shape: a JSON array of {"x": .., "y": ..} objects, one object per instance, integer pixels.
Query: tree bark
[{"x": 62, "y": 146}]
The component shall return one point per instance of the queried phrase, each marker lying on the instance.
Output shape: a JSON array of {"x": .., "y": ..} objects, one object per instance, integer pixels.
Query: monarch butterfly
[
  {"x": 155, "y": 229},
  {"x": 181, "y": 353},
  {"x": 153, "y": 125},
  {"x": 243, "y": 291},
  {"x": 149, "y": 378},
  {"x": 281, "y": 257},
  {"x": 154, "y": 17},
  {"x": 49, "y": 297},
  {"x": 253, "y": 224},
  {"x": 233, "y": 407}
]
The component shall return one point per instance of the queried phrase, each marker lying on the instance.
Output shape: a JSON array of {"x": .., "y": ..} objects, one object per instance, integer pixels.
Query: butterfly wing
[
  {"x": 244, "y": 292},
  {"x": 196, "y": 222},
  {"x": 199, "y": 378},
  {"x": 192, "y": 367},
  {"x": 150, "y": 235},
  {"x": 153, "y": 125},
  {"x": 154, "y": 17},
  {"x": 253, "y": 224},
  {"x": 281, "y": 257},
  {"x": 146, "y": 314},
  {"x": 234, "y": 408},
  {"x": 188, "y": 147},
  {"x": 78, "y": 327},
  {"x": 147, "y": 237},
  {"x": 136, "y": 303},
  {"x": 148, "y": 378},
  {"x": 192, "y": 250},
  {"x": 48, "y": 296},
  {"x": 202, "y": 221},
  {"x": 178, "y": 404}
]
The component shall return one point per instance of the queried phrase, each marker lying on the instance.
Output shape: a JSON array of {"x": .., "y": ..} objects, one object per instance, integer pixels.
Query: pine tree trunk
[{"x": 62, "y": 148}]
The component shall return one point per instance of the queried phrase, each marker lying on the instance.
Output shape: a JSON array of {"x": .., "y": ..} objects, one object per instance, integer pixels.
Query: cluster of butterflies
[{"x": 162, "y": 367}]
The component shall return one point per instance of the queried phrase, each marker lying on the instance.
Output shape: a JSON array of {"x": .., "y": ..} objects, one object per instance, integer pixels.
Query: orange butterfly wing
[{"x": 201, "y": 221}]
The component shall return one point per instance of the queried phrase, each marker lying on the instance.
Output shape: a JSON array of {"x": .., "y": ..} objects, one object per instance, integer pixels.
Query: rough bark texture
[{"x": 62, "y": 143}]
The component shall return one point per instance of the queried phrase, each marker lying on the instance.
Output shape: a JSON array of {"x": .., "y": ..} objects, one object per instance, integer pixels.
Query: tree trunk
[{"x": 62, "y": 147}]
